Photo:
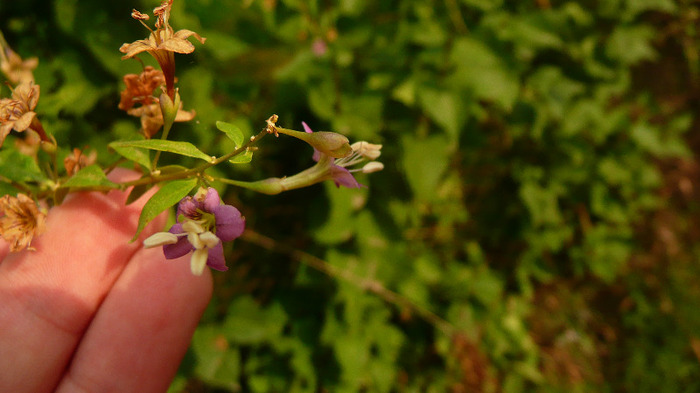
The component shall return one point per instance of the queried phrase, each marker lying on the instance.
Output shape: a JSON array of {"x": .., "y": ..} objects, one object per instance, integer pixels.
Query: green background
[{"x": 535, "y": 228}]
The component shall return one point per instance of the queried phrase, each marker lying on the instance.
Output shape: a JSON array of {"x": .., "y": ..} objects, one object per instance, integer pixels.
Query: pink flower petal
[
  {"x": 229, "y": 223},
  {"x": 216, "y": 259}
]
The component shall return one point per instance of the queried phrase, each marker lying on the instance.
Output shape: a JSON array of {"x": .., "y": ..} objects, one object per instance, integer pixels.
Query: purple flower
[
  {"x": 203, "y": 224},
  {"x": 338, "y": 171}
]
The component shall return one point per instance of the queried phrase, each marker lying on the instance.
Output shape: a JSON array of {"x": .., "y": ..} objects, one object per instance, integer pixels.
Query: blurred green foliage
[{"x": 535, "y": 194}]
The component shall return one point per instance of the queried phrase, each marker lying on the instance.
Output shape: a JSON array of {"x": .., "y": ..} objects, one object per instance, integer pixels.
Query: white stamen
[
  {"x": 367, "y": 150},
  {"x": 192, "y": 227},
  {"x": 199, "y": 261},
  {"x": 159, "y": 239},
  {"x": 209, "y": 239},
  {"x": 194, "y": 239},
  {"x": 374, "y": 166}
]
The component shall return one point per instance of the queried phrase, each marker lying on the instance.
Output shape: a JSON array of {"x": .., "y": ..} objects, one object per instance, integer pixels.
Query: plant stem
[
  {"x": 365, "y": 284},
  {"x": 196, "y": 170}
]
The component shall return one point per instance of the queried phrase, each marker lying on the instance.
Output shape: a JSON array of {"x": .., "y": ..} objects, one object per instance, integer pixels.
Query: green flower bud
[{"x": 329, "y": 143}]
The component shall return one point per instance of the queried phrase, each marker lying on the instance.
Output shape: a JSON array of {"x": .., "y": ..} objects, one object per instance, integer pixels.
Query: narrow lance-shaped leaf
[
  {"x": 176, "y": 147},
  {"x": 168, "y": 195},
  {"x": 137, "y": 155},
  {"x": 89, "y": 177}
]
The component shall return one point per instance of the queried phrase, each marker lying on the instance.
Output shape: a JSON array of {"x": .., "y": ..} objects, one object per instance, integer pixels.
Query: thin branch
[{"x": 365, "y": 284}]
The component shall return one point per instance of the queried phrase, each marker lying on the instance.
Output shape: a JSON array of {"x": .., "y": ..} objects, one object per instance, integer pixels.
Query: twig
[{"x": 366, "y": 284}]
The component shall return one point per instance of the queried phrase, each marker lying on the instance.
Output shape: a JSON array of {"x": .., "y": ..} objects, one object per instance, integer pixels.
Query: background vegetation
[{"x": 535, "y": 228}]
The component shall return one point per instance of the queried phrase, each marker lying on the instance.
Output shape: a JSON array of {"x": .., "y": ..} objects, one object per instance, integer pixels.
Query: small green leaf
[
  {"x": 135, "y": 154},
  {"x": 90, "y": 176},
  {"x": 232, "y": 132},
  {"x": 168, "y": 195},
  {"x": 243, "y": 158},
  {"x": 164, "y": 170},
  {"x": 18, "y": 167},
  {"x": 177, "y": 147}
]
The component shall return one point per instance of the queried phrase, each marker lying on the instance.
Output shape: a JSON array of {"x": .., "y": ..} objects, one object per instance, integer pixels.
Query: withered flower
[
  {"x": 139, "y": 91},
  {"x": 15, "y": 69},
  {"x": 162, "y": 43},
  {"x": 139, "y": 88},
  {"x": 17, "y": 113},
  {"x": 152, "y": 117},
  {"x": 77, "y": 161},
  {"x": 21, "y": 220}
]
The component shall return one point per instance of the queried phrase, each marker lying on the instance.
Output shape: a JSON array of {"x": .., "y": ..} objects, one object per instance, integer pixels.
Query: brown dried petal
[
  {"x": 137, "y": 47},
  {"x": 183, "y": 115},
  {"x": 28, "y": 93},
  {"x": 138, "y": 15},
  {"x": 24, "y": 122},
  {"x": 5, "y": 129},
  {"x": 163, "y": 7}
]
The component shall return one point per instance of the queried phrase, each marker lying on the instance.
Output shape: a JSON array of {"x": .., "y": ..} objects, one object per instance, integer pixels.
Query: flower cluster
[
  {"x": 138, "y": 100},
  {"x": 203, "y": 224}
]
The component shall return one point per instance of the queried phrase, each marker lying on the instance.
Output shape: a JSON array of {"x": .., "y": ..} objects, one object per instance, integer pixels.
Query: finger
[
  {"x": 143, "y": 328},
  {"x": 4, "y": 249},
  {"x": 49, "y": 296}
]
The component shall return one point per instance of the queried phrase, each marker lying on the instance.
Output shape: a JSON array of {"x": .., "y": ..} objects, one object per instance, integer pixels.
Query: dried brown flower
[
  {"x": 139, "y": 88},
  {"x": 15, "y": 69},
  {"x": 21, "y": 220},
  {"x": 152, "y": 117},
  {"x": 162, "y": 44},
  {"x": 17, "y": 113},
  {"x": 77, "y": 161}
]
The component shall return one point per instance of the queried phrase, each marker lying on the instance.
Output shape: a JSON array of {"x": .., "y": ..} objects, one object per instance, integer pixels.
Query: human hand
[{"x": 90, "y": 312}]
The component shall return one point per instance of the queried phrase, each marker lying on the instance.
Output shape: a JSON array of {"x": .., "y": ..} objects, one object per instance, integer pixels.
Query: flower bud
[
  {"x": 329, "y": 143},
  {"x": 169, "y": 109}
]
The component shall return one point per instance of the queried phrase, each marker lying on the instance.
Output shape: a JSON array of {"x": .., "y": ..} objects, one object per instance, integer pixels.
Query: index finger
[{"x": 49, "y": 296}]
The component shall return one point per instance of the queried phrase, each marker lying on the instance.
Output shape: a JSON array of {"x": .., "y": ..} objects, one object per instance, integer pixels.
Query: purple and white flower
[{"x": 203, "y": 224}]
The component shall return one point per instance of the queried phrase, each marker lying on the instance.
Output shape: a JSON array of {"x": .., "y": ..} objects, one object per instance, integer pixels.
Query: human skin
[{"x": 87, "y": 311}]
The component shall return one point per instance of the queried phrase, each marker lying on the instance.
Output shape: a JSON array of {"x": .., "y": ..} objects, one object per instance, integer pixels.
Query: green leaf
[
  {"x": 232, "y": 132},
  {"x": 249, "y": 323},
  {"x": 177, "y": 147},
  {"x": 135, "y": 154},
  {"x": 168, "y": 195},
  {"x": 90, "y": 176},
  {"x": 18, "y": 167},
  {"x": 243, "y": 158},
  {"x": 484, "y": 71},
  {"x": 425, "y": 161},
  {"x": 217, "y": 363}
]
